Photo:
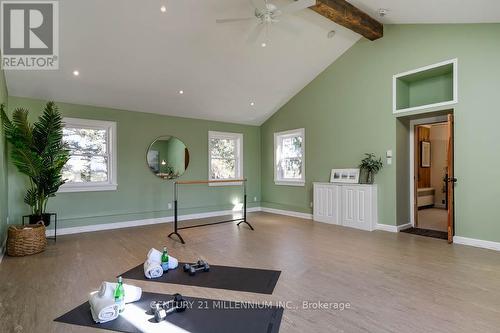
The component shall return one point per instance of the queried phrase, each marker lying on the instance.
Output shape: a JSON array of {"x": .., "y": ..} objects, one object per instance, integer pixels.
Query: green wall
[
  {"x": 347, "y": 111},
  {"x": 4, "y": 213},
  {"x": 140, "y": 194},
  {"x": 431, "y": 90}
]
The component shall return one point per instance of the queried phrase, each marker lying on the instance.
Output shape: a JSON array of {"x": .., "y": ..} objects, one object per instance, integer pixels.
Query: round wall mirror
[{"x": 168, "y": 157}]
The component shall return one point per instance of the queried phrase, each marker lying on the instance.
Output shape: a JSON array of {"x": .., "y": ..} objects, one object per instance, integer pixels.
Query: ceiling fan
[{"x": 267, "y": 13}]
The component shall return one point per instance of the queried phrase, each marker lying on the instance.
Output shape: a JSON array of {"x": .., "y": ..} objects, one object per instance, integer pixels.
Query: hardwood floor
[{"x": 393, "y": 282}]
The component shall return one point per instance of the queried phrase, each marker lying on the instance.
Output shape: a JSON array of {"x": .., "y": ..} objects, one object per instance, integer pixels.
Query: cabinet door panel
[
  {"x": 348, "y": 198},
  {"x": 356, "y": 207},
  {"x": 326, "y": 203},
  {"x": 361, "y": 206}
]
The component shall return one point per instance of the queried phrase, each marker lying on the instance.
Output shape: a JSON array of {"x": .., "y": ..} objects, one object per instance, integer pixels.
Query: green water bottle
[
  {"x": 120, "y": 295},
  {"x": 164, "y": 260}
]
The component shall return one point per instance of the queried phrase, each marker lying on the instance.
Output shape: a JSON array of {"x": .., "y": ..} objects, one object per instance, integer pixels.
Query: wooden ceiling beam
[{"x": 349, "y": 16}]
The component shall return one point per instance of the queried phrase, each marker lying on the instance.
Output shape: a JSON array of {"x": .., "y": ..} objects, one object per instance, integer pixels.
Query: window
[
  {"x": 289, "y": 157},
  {"x": 92, "y": 163},
  {"x": 225, "y": 156}
]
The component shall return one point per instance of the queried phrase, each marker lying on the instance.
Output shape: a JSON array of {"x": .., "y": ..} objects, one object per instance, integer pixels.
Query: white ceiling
[
  {"x": 432, "y": 11},
  {"x": 132, "y": 56}
]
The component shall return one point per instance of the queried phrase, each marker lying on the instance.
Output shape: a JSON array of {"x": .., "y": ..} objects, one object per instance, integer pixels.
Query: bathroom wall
[
  {"x": 424, "y": 174},
  {"x": 439, "y": 151}
]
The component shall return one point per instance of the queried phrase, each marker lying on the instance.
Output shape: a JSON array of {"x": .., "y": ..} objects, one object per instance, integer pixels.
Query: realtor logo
[{"x": 30, "y": 35}]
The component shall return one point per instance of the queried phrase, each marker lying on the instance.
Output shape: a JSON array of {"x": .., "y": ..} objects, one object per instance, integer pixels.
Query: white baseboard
[
  {"x": 137, "y": 223},
  {"x": 386, "y": 227},
  {"x": 118, "y": 225},
  {"x": 392, "y": 228},
  {"x": 404, "y": 226},
  {"x": 477, "y": 243},
  {"x": 287, "y": 213}
]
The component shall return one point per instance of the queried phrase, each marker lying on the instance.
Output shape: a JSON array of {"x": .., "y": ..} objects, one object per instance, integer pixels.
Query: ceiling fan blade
[
  {"x": 297, "y": 6},
  {"x": 256, "y": 31},
  {"x": 229, "y": 20},
  {"x": 289, "y": 26}
]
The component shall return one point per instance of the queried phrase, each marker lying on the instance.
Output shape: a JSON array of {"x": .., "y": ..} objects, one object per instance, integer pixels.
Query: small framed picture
[
  {"x": 344, "y": 176},
  {"x": 426, "y": 154}
]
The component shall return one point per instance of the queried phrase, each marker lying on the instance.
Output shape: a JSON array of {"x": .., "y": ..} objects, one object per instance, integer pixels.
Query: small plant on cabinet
[{"x": 371, "y": 166}]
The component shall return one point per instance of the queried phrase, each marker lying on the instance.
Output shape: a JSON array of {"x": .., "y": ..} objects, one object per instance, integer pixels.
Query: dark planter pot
[
  {"x": 370, "y": 178},
  {"x": 34, "y": 219}
]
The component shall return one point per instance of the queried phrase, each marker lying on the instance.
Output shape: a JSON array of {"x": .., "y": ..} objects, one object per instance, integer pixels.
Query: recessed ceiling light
[
  {"x": 163, "y": 9},
  {"x": 181, "y": 92},
  {"x": 263, "y": 44},
  {"x": 76, "y": 73},
  {"x": 252, "y": 103},
  {"x": 382, "y": 12}
]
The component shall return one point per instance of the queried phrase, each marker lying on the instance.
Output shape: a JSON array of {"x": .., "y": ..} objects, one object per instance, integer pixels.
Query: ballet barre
[{"x": 237, "y": 182}]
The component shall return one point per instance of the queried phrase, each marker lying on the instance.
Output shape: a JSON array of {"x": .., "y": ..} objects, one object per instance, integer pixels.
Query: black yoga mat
[
  {"x": 201, "y": 316},
  {"x": 251, "y": 280}
]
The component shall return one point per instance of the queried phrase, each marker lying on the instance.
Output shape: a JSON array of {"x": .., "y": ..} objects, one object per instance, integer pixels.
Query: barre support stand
[
  {"x": 176, "y": 229},
  {"x": 176, "y": 213},
  {"x": 245, "y": 207}
]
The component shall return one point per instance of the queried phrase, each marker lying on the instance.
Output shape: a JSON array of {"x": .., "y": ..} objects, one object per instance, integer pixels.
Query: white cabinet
[
  {"x": 326, "y": 203},
  {"x": 350, "y": 205}
]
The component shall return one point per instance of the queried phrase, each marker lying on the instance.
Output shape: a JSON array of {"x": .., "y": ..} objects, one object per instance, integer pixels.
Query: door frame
[{"x": 413, "y": 124}]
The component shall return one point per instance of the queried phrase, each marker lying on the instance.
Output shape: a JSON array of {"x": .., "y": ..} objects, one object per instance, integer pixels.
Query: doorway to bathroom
[{"x": 432, "y": 179}]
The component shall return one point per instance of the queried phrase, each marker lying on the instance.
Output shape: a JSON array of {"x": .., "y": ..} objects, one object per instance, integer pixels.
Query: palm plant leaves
[
  {"x": 47, "y": 132},
  {"x": 30, "y": 197},
  {"x": 37, "y": 151}
]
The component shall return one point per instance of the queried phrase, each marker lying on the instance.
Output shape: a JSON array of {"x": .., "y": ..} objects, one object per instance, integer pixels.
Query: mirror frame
[{"x": 149, "y": 148}]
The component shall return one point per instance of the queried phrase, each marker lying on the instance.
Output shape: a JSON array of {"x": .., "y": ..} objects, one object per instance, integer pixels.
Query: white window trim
[
  {"x": 111, "y": 184},
  {"x": 239, "y": 170},
  {"x": 290, "y": 182}
]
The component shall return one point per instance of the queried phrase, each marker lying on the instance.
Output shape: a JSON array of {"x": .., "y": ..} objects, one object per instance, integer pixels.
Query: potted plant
[
  {"x": 371, "y": 166},
  {"x": 37, "y": 151}
]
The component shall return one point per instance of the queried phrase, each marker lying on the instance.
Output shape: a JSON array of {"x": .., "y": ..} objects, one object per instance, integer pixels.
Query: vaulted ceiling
[{"x": 132, "y": 56}]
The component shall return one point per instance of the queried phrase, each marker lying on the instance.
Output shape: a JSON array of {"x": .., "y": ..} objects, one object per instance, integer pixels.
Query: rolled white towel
[
  {"x": 154, "y": 255},
  {"x": 103, "y": 309},
  {"x": 172, "y": 263},
  {"x": 132, "y": 293},
  {"x": 152, "y": 269}
]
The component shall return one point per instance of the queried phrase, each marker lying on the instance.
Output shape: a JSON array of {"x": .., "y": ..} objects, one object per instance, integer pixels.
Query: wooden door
[
  {"x": 415, "y": 177},
  {"x": 450, "y": 181}
]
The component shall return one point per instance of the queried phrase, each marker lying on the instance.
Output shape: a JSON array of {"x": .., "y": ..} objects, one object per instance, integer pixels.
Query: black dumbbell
[
  {"x": 179, "y": 305},
  {"x": 199, "y": 263},
  {"x": 156, "y": 305},
  {"x": 193, "y": 269}
]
